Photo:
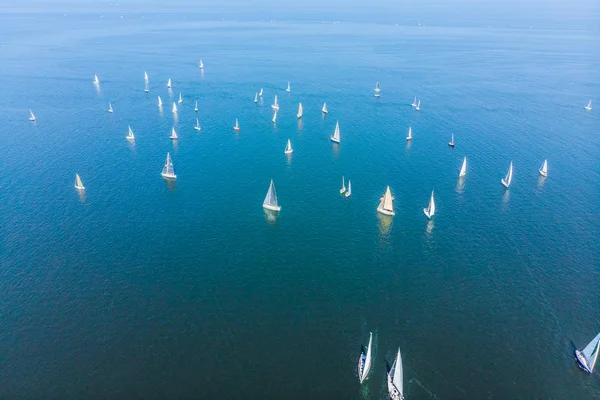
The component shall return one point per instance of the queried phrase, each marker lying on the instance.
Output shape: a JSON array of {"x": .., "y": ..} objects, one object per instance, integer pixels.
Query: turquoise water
[{"x": 141, "y": 288}]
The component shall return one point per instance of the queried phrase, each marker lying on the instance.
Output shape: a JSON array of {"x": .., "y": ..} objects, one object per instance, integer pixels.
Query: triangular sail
[
  {"x": 201, "y": 65},
  {"x": 544, "y": 168},
  {"x": 398, "y": 375},
  {"x": 324, "y": 109},
  {"x": 145, "y": 76},
  {"x": 169, "y": 83},
  {"x": 96, "y": 80},
  {"x": 288, "y": 87},
  {"x": 168, "y": 168},
  {"x": 590, "y": 352},
  {"x": 367, "y": 366},
  {"x": 110, "y": 109},
  {"x": 78, "y": 183},
  {"x": 237, "y": 125},
  {"x": 173, "y": 133},
  {"x": 32, "y": 117},
  {"x": 174, "y": 108},
  {"x": 256, "y": 97},
  {"x": 288, "y": 147},
  {"x": 589, "y": 106},
  {"x": 159, "y": 101},
  {"x": 336, "y": 133},
  {"x": 130, "y": 134},
  {"x": 180, "y": 98},
  {"x": 463, "y": 169},
  {"x": 197, "y": 124},
  {"x": 387, "y": 200},
  {"x": 196, "y": 106},
  {"x": 260, "y": 93},
  {"x": 508, "y": 177},
  {"x": 299, "y": 111},
  {"x": 409, "y": 136},
  {"x": 274, "y": 116},
  {"x": 271, "y": 198},
  {"x": 431, "y": 207}
]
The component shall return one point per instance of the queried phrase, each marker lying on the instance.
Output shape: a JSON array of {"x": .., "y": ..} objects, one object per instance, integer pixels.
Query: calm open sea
[{"x": 143, "y": 289}]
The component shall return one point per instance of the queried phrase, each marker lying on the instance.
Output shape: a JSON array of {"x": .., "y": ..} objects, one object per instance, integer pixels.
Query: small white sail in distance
[
  {"x": 168, "y": 171},
  {"x": 275, "y": 105},
  {"x": 288, "y": 147},
  {"x": 336, "y": 133},
  {"x": 260, "y": 93},
  {"x": 418, "y": 106},
  {"x": 96, "y": 80},
  {"x": 78, "y": 183},
  {"x": 196, "y": 106},
  {"x": 197, "y": 127},
  {"x": 349, "y": 191},
  {"x": 31, "y": 116},
  {"x": 180, "y": 98},
  {"x": 145, "y": 76},
  {"x": 364, "y": 361},
  {"x": 544, "y": 169},
  {"x": 174, "y": 108},
  {"x": 237, "y": 125},
  {"x": 430, "y": 210},
  {"x": 274, "y": 119},
  {"x": 299, "y": 115},
  {"x": 169, "y": 83},
  {"x": 159, "y": 102},
  {"x": 395, "y": 379},
  {"x": 414, "y": 103},
  {"x": 288, "y": 88},
  {"x": 386, "y": 203},
  {"x": 270, "y": 202},
  {"x": 130, "y": 135},
  {"x": 589, "y": 106},
  {"x": 409, "y": 135},
  {"x": 463, "y": 168},
  {"x": 324, "y": 109},
  {"x": 110, "y": 109},
  {"x": 508, "y": 178},
  {"x": 201, "y": 64},
  {"x": 343, "y": 189},
  {"x": 589, "y": 355},
  {"x": 256, "y": 97},
  {"x": 173, "y": 134},
  {"x": 377, "y": 90},
  {"x": 451, "y": 143}
]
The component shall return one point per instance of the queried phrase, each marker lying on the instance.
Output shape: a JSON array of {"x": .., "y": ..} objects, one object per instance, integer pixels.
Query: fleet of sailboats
[
  {"x": 544, "y": 169},
  {"x": 508, "y": 178},
  {"x": 430, "y": 210},
  {"x": 377, "y": 90},
  {"x": 168, "y": 171},
  {"x": 130, "y": 135},
  {"x": 173, "y": 134},
  {"x": 270, "y": 202},
  {"x": 31, "y": 116},
  {"x": 110, "y": 109},
  {"x": 288, "y": 147},
  {"x": 336, "y": 133},
  {"x": 587, "y": 357},
  {"x": 299, "y": 115},
  {"x": 78, "y": 183},
  {"x": 395, "y": 378},
  {"x": 364, "y": 361},
  {"x": 589, "y": 106},
  {"x": 386, "y": 203},
  {"x": 275, "y": 105},
  {"x": 197, "y": 126}
]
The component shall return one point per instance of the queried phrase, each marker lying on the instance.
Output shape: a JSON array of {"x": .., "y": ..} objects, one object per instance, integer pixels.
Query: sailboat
[
  {"x": 146, "y": 81},
  {"x": 274, "y": 119},
  {"x": 169, "y": 83},
  {"x": 414, "y": 103},
  {"x": 168, "y": 171},
  {"x": 395, "y": 379},
  {"x": 508, "y": 178},
  {"x": 180, "y": 98},
  {"x": 173, "y": 134},
  {"x": 159, "y": 102},
  {"x": 110, "y": 109},
  {"x": 299, "y": 115},
  {"x": 96, "y": 80},
  {"x": 174, "y": 108},
  {"x": 270, "y": 202},
  {"x": 196, "y": 106},
  {"x": 130, "y": 135},
  {"x": 31, "y": 116},
  {"x": 256, "y": 97},
  {"x": 544, "y": 169},
  {"x": 197, "y": 127},
  {"x": 418, "y": 106},
  {"x": 364, "y": 361},
  {"x": 237, "y": 126},
  {"x": 589, "y": 106},
  {"x": 275, "y": 105},
  {"x": 201, "y": 65},
  {"x": 336, "y": 134},
  {"x": 349, "y": 191},
  {"x": 78, "y": 183},
  {"x": 377, "y": 90},
  {"x": 343, "y": 189},
  {"x": 288, "y": 89},
  {"x": 451, "y": 143},
  {"x": 463, "y": 169},
  {"x": 260, "y": 93},
  {"x": 386, "y": 203},
  {"x": 324, "y": 109},
  {"x": 145, "y": 76},
  {"x": 430, "y": 210},
  {"x": 588, "y": 356},
  {"x": 409, "y": 136},
  {"x": 288, "y": 148}
]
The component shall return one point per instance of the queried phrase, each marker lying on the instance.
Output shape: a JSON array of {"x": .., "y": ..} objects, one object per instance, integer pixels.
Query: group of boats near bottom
[{"x": 586, "y": 359}]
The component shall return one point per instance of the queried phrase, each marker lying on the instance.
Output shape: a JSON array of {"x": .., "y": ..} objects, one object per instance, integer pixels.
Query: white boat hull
[
  {"x": 197, "y": 128},
  {"x": 588, "y": 108},
  {"x": 543, "y": 173},
  {"x": 271, "y": 208},
  {"x": 427, "y": 214},
  {"x": 334, "y": 140},
  {"x": 173, "y": 137},
  {"x": 288, "y": 151},
  {"x": 582, "y": 362},
  {"x": 79, "y": 187}
]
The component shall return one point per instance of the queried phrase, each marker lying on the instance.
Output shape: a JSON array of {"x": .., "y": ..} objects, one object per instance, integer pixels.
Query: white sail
[
  {"x": 414, "y": 103},
  {"x": 409, "y": 135},
  {"x": 256, "y": 97},
  {"x": 288, "y": 87},
  {"x": 430, "y": 210},
  {"x": 544, "y": 168},
  {"x": 299, "y": 115},
  {"x": 589, "y": 106},
  {"x": 270, "y": 202},
  {"x": 275, "y": 105},
  {"x": 288, "y": 147},
  {"x": 180, "y": 98},
  {"x": 343, "y": 189},
  {"x": 130, "y": 135},
  {"x": 364, "y": 362},
  {"x": 174, "y": 108},
  {"x": 451, "y": 144},
  {"x": 260, "y": 93},
  {"x": 463, "y": 169},
  {"x": 197, "y": 127},
  {"x": 31, "y": 116},
  {"x": 110, "y": 109},
  {"x": 159, "y": 102},
  {"x": 169, "y": 83},
  {"x": 508, "y": 179},
  {"x": 168, "y": 171},
  {"x": 173, "y": 134},
  {"x": 349, "y": 191},
  {"x": 377, "y": 90},
  {"x": 96, "y": 80},
  {"x": 145, "y": 76},
  {"x": 386, "y": 204},
  {"x": 201, "y": 65},
  {"x": 274, "y": 119},
  {"x": 324, "y": 109},
  {"x": 396, "y": 378},
  {"x": 78, "y": 183},
  {"x": 418, "y": 106},
  {"x": 590, "y": 353},
  {"x": 336, "y": 134},
  {"x": 237, "y": 125},
  {"x": 196, "y": 106}
]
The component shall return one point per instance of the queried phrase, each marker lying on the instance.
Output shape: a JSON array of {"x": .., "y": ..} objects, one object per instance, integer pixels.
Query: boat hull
[
  {"x": 408, "y": 139},
  {"x": 324, "y": 111},
  {"x": 451, "y": 144},
  {"x": 288, "y": 151},
  {"x": 393, "y": 392},
  {"x": 173, "y": 138},
  {"x": 271, "y": 208},
  {"x": 588, "y": 108},
  {"x": 236, "y": 129},
  {"x": 274, "y": 107},
  {"x": 427, "y": 214},
  {"x": 169, "y": 176},
  {"x": 543, "y": 173},
  {"x": 383, "y": 211},
  {"x": 32, "y": 119},
  {"x": 348, "y": 194},
  {"x": 79, "y": 187},
  {"x": 582, "y": 362},
  {"x": 334, "y": 140},
  {"x": 197, "y": 128}
]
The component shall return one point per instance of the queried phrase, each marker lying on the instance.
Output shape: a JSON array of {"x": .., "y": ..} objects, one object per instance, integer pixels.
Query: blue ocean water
[{"x": 142, "y": 288}]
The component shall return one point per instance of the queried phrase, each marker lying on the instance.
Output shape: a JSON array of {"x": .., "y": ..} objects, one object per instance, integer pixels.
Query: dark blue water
[{"x": 139, "y": 288}]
